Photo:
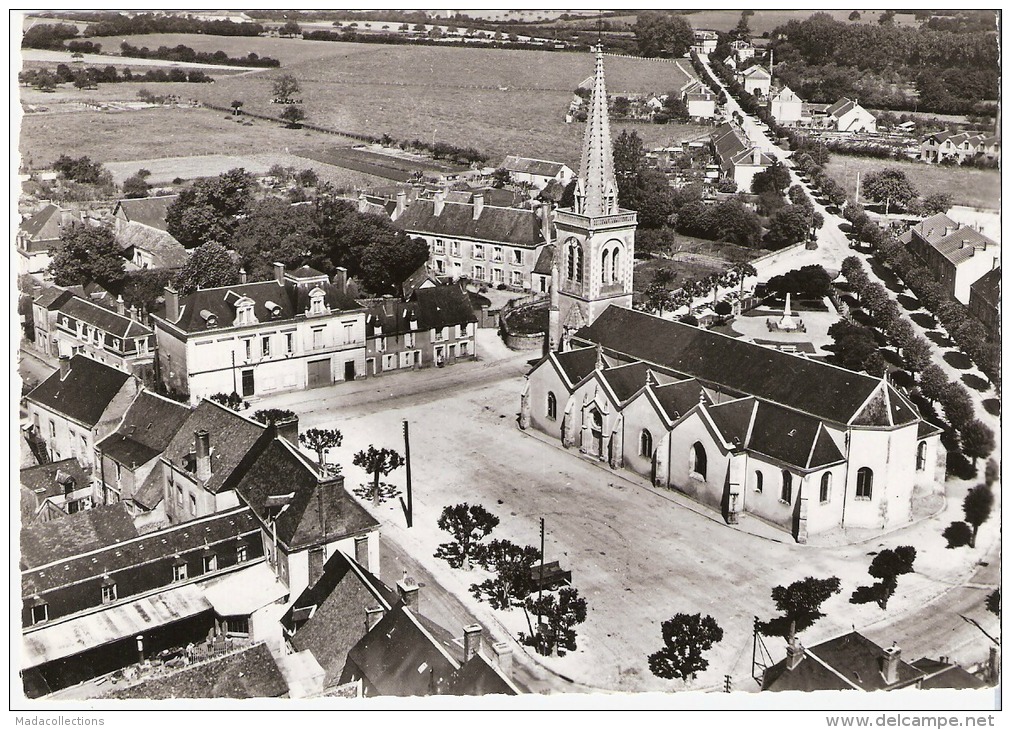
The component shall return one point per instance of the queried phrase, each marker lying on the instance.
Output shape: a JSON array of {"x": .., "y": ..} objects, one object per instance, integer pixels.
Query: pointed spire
[{"x": 596, "y": 189}]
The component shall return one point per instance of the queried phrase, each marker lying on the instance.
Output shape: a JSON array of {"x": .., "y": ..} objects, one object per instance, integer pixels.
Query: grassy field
[
  {"x": 967, "y": 186},
  {"x": 499, "y": 101}
]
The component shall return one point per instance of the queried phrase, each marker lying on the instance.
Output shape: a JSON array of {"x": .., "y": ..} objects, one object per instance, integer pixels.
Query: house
[
  {"x": 739, "y": 159},
  {"x": 113, "y": 338},
  {"x": 95, "y": 594},
  {"x": 536, "y": 173},
  {"x": 960, "y": 147},
  {"x": 54, "y": 490},
  {"x": 786, "y": 107},
  {"x": 804, "y": 445},
  {"x": 956, "y": 255},
  {"x": 149, "y": 248},
  {"x": 848, "y": 116},
  {"x": 742, "y": 51},
  {"x": 79, "y": 405},
  {"x": 127, "y": 458},
  {"x": 150, "y": 212},
  {"x": 705, "y": 42},
  {"x": 984, "y": 301},
  {"x": 295, "y": 331},
  {"x": 485, "y": 243},
  {"x": 700, "y": 100},
  {"x": 756, "y": 80},
  {"x": 37, "y": 236},
  {"x": 46, "y": 302},
  {"x": 854, "y": 662},
  {"x": 540, "y": 277}
]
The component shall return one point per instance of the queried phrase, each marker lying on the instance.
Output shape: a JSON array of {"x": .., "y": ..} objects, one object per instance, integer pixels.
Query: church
[{"x": 803, "y": 445}]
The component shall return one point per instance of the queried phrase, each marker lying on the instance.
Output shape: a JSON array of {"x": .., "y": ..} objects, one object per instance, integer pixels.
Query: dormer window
[
  {"x": 210, "y": 318},
  {"x": 244, "y": 314},
  {"x": 317, "y": 301},
  {"x": 274, "y": 309}
]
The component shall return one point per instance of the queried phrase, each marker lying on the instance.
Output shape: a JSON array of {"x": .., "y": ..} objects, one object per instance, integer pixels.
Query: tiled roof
[
  {"x": 444, "y": 306},
  {"x": 149, "y": 211},
  {"x": 316, "y": 512},
  {"x": 338, "y": 602},
  {"x": 515, "y": 226},
  {"x": 933, "y": 229},
  {"x": 146, "y": 430},
  {"x": 822, "y": 390},
  {"x": 246, "y": 674},
  {"x": 841, "y": 107},
  {"x": 81, "y": 532},
  {"x": 234, "y": 441},
  {"x": 545, "y": 259},
  {"x": 43, "y": 225},
  {"x": 987, "y": 287},
  {"x": 961, "y": 245},
  {"x": 102, "y": 318},
  {"x": 512, "y": 163},
  {"x": 166, "y": 251},
  {"x": 86, "y": 393}
]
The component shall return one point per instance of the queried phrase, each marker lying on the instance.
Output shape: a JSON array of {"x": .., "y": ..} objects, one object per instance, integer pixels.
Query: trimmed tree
[
  {"x": 468, "y": 525},
  {"x": 686, "y": 637},
  {"x": 957, "y": 404},
  {"x": 512, "y": 565},
  {"x": 270, "y": 416},
  {"x": 893, "y": 563},
  {"x": 378, "y": 462},
  {"x": 558, "y": 616},
  {"x": 977, "y": 440},
  {"x": 916, "y": 354},
  {"x": 958, "y": 534},
  {"x": 800, "y": 605},
  {"x": 993, "y": 603},
  {"x": 933, "y": 382},
  {"x": 321, "y": 440},
  {"x": 977, "y": 507}
]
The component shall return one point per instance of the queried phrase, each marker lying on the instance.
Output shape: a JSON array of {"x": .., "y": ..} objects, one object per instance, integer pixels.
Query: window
[
  {"x": 496, "y": 253},
  {"x": 316, "y": 304},
  {"x": 178, "y": 572},
  {"x": 463, "y": 349},
  {"x": 440, "y": 266},
  {"x": 349, "y": 333},
  {"x": 461, "y": 330},
  {"x": 518, "y": 258},
  {"x": 380, "y": 344},
  {"x": 119, "y": 472},
  {"x": 409, "y": 339},
  {"x": 52, "y": 428},
  {"x": 516, "y": 278},
  {"x": 109, "y": 593},
  {"x": 241, "y": 553},
  {"x": 248, "y": 349},
  {"x": 759, "y": 479},
  {"x": 552, "y": 407},
  {"x": 193, "y": 504},
  {"x": 439, "y": 335},
  {"x": 454, "y": 248},
  {"x": 605, "y": 273},
  {"x": 865, "y": 483},
  {"x": 317, "y": 339},
  {"x": 179, "y": 495},
  {"x": 40, "y": 613},
  {"x": 237, "y": 626},
  {"x": 289, "y": 342},
  {"x": 479, "y": 273},
  {"x": 646, "y": 444},
  {"x": 265, "y": 347},
  {"x": 478, "y": 251},
  {"x": 786, "y": 495},
  {"x": 389, "y": 362},
  {"x": 496, "y": 276},
  {"x": 697, "y": 461},
  {"x": 825, "y": 492},
  {"x": 210, "y": 563},
  {"x": 440, "y": 246},
  {"x": 921, "y": 456}
]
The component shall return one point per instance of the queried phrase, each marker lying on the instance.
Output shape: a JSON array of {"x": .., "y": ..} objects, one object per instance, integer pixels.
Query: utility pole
[
  {"x": 409, "y": 507},
  {"x": 726, "y": 683},
  {"x": 540, "y": 588}
]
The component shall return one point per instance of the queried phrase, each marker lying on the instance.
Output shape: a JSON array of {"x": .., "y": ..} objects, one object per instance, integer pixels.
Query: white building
[
  {"x": 756, "y": 80},
  {"x": 785, "y": 106},
  {"x": 536, "y": 173},
  {"x": 848, "y": 116}
]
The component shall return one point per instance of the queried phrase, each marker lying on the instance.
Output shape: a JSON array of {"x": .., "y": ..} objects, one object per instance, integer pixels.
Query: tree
[
  {"x": 285, "y": 87},
  {"x": 273, "y": 230},
  {"x": 742, "y": 271},
  {"x": 775, "y": 178},
  {"x": 993, "y": 603},
  {"x": 378, "y": 462},
  {"x": 855, "y": 15},
  {"x": 977, "y": 440},
  {"x": 743, "y": 30},
  {"x": 937, "y": 203},
  {"x": 80, "y": 169},
  {"x": 137, "y": 186},
  {"x": 992, "y": 472},
  {"x": 889, "y": 186},
  {"x": 800, "y": 605},
  {"x": 958, "y": 534},
  {"x": 809, "y": 282},
  {"x": 291, "y": 28},
  {"x": 270, "y": 416},
  {"x": 557, "y": 617},
  {"x": 468, "y": 524},
  {"x": 87, "y": 254},
  {"x": 208, "y": 265},
  {"x": 916, "y": 354},
  {"x": 390, "y": 258},
  {"x": 900, "y": 332},
  {"x": 663, "y": 34},
  {"x": 854, "y": 344},
  {"x": 657, "y": 298},
  {"x": 977, "y": 506},
  {"x": 321, "y": 440},
  {"x": 686, "y": 638},
  {"x": 209, "y": 209},
  {"x": 893, "y": 563},
  {"x": 237, "y": 105},
  {"x": 957, "y": 404},
  {"x": 293, "y": 115},
  {"x": 512, "y": 564},
  {"x": 933, "y": 382}
]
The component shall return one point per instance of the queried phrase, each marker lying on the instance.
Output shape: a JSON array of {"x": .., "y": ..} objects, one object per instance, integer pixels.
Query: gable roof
[
  {"x": 85, "y": 394},
  {"x": 577, "y": 364},
  {"x": 547, "y": 168},
  {"x": 235, "y": 441},
  {"x": 149, "y": 211},
  {"x": 987, "y": 287},
  {"x": 81, "y": 532},
  {"x": 733, "y": 418},
  {"x": 146, "y": 429},
  {"x": 941, "y": 675},
  {"x": 676, "y": 399},
  {"x": 416, "y": 280},
  {"x": 756, "y": 71},
  {"x": 312, "y": 511},
  {"x": 48, "y": 480},
  {"x": 626, "y": 380},
  {"x": 104, "y": 319},
  {"x": 841, "y": 107},
  {"x": 792, "y": 438},
  {"x": 961, "y": 245},
  {"x": 733, "y": 146},
  {"x": 444, "y": 306},
  {"x": 515, "y": 226},
  {"x": 51, "y": 297},
  {"x": 545, "y": 260},
  {"x": 44, "y": 225},
  {"x": 166, "y": 252},
  {"x": 934, "y": 228},
  {"x": 813, "y": 387}
]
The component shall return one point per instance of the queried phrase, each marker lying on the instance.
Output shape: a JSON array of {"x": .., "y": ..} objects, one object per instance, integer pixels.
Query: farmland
[{"x": 967, "y": 186}]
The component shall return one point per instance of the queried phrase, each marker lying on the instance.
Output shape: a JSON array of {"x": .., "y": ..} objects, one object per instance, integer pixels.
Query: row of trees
[
  {"x": 185, "y": 54},
  {"x": 91, "y": 76},
  {"x": 660, "y": 296},
  {"x": 976, "y": 509}
]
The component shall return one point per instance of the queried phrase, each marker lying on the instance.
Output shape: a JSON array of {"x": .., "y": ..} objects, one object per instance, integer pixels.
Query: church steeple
[{"x": 596, "y": 189}]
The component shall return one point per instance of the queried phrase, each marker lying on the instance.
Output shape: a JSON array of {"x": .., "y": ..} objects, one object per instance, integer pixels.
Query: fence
[{"x": 305, "y": 125}]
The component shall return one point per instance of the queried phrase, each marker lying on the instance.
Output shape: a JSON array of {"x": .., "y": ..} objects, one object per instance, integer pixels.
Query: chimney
[
  {"x": 279, "y": 272},
  {"x": 362, "y": 551},
  {"x": 407, "y": 588},
  {"x": 363, "y": 204},
  {"x": 890, "y": 664},
  {"x": 439, "y": 202},
  {"x": 203, "y": 455},
  {"x": 242, "y": 275},
  {"x": 756, "y": 156},
  {"x": 948, "y": 230},
  {"x": 546, "y": 222},
  {"x": 503, "y": 657},
  {"x": 120, "y": 307},
  {"x": 36, "y": 291},
  {"x": 340, "y": 279},
  {"x": 794, "y": 654},
  {"x": 401, "y": 204},
  {"x": 64, "y": 366},
  {"x": 133, "y": 313},
  {"x": 171, "y": 304},
  {"x": 287, "y": 428},
  {"x": 373, "y": 616},
  {"x": 471, "y": 641},
  {"x": 478, "y": 204}
]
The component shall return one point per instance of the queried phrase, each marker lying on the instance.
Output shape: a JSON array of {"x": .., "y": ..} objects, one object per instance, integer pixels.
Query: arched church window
[
  {"x": 646, "y": 444},
  {"x": 552, "y": 406},
  {"x": 697, "y": 460}
]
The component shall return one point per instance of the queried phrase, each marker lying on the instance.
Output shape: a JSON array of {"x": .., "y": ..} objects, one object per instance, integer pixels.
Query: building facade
[
  {"x": 848, "y": 116},
  {"x": 113, "y": 338},
  {"x": 536, "y": 173},
  {"x": 739, "y": 159},
  {"x": 984, "y": 301},
  {"x": 786, "y": 107},
  {"x": 956, "y": 255}
]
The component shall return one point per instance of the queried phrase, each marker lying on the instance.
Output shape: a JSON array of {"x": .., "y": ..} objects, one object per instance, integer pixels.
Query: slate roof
[
  {"x": 249, "y": 673},
  {"x": 733, "y": 418},
  {"x": 146, "y": 429},
  {"x": 149, "y": 494},
  {"x": 476, "y": 678},
  {"x": 149, "y": 211},
  {"x": 444, "y": 306},
  {"x": 932, "y": 229},
  {"x": 86, "y": 393},
  {"x": 987, "y": 288},
  {"x": 315, "y": 513},
  {"x": 44, "y": 225},
  {"x": 841, "y": 107},
  {"x": 940, "y": 675},
  {"x": 793, "y": 438},
  {"x": 514, "y": 226},
  {"x": 758, "y": 71},
  {"x": 678, "y": 398},
  {"x": 961, "y": 245},
  {"x": 733, "y": 146},
  {"x": 545, "y": 260},
  {"x": 166, "y": 251},
  {"x": 816, "y": 388},
  {"x": 547, "y": 168},
  {"x": 51, "y": 297},
  {"x": 234, "y": 441},
  {"x": 46, "y": 480},
  {"x": 338, "y": 601},
  {"x": 391, "y": 317},
  {"x": 81, "y": 532},
  {"x": 577, "y": 364},
  {"x": 626, "y": 380},
  {"x": 104, "y": 319},
  {"x": 418, "y": 277}
]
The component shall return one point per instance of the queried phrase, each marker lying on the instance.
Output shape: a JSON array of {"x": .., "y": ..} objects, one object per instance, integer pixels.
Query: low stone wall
[{"x": 521, "y": 340}]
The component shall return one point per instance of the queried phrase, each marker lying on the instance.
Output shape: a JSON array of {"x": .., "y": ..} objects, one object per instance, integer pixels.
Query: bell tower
[{"x": 594, "y": 239}]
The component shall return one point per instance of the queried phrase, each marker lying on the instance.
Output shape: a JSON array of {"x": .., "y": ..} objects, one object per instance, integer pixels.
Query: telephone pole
[{"x": 409, "y": 507}]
